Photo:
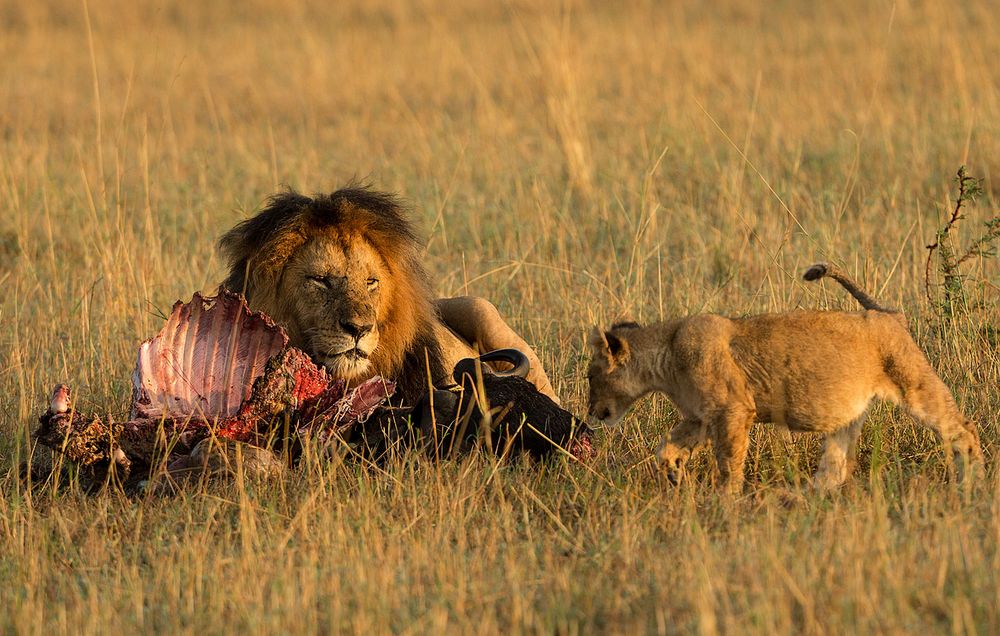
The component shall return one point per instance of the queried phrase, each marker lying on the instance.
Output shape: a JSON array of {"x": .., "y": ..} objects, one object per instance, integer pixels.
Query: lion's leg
[
  {"x": 479, "y": 323},
  {"x": 839, "y": 452},
  {"x": 678, "y": 447},
  {"x": 930, "y": 402},
  {"x": 937, "y": 411},
  {"x": 730, "y": 431}
]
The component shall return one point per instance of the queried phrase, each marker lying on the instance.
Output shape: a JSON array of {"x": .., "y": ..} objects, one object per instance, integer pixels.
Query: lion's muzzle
[
  {"x": 347, "y": 354},
  {"x": 348, "y": 364}
]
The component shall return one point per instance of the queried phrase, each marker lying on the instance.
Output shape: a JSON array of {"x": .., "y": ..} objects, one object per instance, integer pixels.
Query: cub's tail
[{"x": 820, "y": 270}]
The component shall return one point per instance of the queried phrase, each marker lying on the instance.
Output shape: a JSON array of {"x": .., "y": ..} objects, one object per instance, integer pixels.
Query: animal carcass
[
  {"x": 216, "y": 370},
  {"x": 220, "y": 377}
]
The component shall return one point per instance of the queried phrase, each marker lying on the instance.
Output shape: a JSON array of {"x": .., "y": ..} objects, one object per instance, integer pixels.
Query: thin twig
[{"x": 948, "y": 268}]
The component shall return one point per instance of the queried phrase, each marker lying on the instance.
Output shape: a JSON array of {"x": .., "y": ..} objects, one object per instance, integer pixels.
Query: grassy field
[{"x": 575, "y": 163}]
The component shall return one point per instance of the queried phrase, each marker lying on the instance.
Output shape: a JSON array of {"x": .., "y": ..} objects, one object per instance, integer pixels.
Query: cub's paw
[{"x": 672, "y": 459}]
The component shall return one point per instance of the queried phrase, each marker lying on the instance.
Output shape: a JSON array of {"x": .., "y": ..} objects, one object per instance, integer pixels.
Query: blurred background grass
[{"x": 575, "y": 163}]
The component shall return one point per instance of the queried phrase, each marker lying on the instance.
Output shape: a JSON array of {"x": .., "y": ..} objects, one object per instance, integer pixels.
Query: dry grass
[{"x": 574, "y": 163}]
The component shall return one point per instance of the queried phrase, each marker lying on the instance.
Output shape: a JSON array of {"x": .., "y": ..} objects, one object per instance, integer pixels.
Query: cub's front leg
[{"x": 678, "y": 446}]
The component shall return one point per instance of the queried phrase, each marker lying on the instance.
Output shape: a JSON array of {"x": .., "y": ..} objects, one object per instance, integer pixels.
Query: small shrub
[{"x": 951, "y": 295}]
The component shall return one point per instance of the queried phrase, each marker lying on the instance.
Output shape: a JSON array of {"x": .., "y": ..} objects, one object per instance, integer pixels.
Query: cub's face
[
  {"x": 614, "y": 383},
  {"x": 334, "y": 293}
]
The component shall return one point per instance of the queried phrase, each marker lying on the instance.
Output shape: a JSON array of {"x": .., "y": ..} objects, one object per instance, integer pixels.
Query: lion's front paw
[{"x": 672, "y": 459}]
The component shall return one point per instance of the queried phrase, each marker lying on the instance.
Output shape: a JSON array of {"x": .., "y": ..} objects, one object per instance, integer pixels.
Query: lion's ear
[
  {"x": 617, "y": 347},
  {"x": 613, "y": 349},
  {"x": 597, "y": 341}
]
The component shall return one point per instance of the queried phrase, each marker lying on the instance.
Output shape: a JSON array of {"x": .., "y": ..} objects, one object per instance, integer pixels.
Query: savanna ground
[{"x": 575, "y": 163}]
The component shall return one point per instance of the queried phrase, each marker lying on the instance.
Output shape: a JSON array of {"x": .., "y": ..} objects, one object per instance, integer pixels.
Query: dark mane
[{"x": 264, "y": 242}]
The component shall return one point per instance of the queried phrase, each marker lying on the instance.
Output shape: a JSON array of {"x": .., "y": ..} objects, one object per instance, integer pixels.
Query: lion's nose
[
  {"x": 356, "y": 330},
  {"x": 599, "y": 414}
]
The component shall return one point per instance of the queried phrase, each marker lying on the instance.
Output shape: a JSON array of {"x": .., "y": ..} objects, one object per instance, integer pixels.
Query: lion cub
[{"x": 808, "y": 370}]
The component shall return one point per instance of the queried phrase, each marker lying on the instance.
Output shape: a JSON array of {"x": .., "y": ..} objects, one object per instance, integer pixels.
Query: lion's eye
[
  {"x": 372, "y": 284},
  {"x": 319, "y": 281}
]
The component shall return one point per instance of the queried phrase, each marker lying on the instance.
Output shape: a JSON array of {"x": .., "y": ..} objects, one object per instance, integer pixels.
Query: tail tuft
[
  {"x": 823, "y": 270},
  {"x": 816, "y": 271}
]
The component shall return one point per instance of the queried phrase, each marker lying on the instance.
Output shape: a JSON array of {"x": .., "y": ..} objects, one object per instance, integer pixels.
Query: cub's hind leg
[
  {"x": 840, "y": 449},
  {"x": 930, "y": 402},
  {"x": 678, "y": 446},
  {"x": 956, "y": 433},
  {"x": 730, "y": 431}
]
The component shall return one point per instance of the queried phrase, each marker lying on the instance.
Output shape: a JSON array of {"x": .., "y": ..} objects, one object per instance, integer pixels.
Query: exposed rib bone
[{"x": 205, "y": 359}]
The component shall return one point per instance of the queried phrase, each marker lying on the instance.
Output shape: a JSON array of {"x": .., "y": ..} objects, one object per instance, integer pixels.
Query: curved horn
[
  {"x": 520, "y": 361},
  {"x": 467, "y": 366}
]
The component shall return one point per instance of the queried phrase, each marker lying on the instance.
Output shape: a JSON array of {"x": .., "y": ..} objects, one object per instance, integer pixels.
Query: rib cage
[{"x": 205, "y": 359}]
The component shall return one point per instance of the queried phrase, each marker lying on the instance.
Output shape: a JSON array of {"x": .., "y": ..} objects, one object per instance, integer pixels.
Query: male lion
[
  {"x": 342, "y": 274},
  {"x": 808, "y": 370}
]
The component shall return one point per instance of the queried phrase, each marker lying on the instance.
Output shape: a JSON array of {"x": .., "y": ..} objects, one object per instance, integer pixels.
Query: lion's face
[
  {"x": 334, "y": 291},
  {"x": 611, "y": 394},
  {"x": 342, "y": 274},
  {"x": 614, "y": 385}
]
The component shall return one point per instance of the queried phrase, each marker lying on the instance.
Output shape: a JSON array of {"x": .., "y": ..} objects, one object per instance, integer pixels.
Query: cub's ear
[
  {"x": 613, "y": 349},
  {"x": 599, "y": 346},
  {"x": 597, "y": 340},
  {"x": 618, "y": 347}
]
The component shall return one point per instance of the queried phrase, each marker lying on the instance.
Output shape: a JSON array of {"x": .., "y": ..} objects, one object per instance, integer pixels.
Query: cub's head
[
  {"x": 616, "y": 381},
  {"x": 340, "y": 272}
]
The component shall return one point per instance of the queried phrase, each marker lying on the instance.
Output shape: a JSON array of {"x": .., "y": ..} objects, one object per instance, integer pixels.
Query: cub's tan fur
[
  {"x": 808, "y": 370},
  {"x": 343, "y": 274}
]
